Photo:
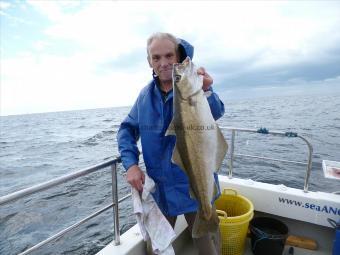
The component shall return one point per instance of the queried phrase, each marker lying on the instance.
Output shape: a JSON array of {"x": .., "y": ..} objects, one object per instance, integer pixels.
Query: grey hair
[{"x": 160, "y": 35}]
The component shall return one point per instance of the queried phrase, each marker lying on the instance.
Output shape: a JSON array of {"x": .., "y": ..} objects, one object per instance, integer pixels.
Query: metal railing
[
  {"x": 276, "y": 133},
  {"x": 113, "y": 164},
  {"x": 63, "y": 179}
]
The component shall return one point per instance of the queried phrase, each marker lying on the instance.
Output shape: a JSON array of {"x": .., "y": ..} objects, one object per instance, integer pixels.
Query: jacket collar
[{"x": 158, "y": 92}]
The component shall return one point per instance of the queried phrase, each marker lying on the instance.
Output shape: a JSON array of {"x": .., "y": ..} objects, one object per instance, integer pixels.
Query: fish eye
[{"x": 177, "y": 78}]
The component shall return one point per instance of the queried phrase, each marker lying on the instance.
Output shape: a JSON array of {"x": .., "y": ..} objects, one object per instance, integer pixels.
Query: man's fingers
[
  {"x": 139, "y": 185},
  {"x": 207, "y": 80},
  {"x": 201, "y": 71},
  {"x": 135, "y": 177}
]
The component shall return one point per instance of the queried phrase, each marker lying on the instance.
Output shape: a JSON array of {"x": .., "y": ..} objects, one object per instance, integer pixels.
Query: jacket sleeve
[
  {"x": 216, "y": 105},
  {"x": 127, "y": 137}
]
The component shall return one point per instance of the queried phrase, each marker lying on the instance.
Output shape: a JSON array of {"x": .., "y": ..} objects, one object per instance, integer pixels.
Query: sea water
[{"x": 38, "y": 147}]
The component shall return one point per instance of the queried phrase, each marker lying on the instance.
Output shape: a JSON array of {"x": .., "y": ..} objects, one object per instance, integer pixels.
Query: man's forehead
[{"x": 162, "y": 46}]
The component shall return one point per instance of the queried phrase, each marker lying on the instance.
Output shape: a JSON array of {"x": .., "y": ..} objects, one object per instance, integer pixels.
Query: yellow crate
[{"x": 235, "y": 211}]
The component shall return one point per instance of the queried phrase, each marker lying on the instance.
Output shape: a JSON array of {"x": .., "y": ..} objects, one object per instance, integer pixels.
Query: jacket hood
[{"x": 185, "y": 50}]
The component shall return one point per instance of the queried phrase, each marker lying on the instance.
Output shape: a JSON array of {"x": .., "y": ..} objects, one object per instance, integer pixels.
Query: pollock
[{"x": 200, "y": 145}]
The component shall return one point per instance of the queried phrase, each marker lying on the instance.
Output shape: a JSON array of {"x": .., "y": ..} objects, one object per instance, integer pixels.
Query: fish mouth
[{"x": 181, "y": 67}]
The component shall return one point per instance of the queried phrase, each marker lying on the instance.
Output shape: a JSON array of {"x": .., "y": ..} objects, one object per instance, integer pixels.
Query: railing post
[
  {"x": 115, "y": 204},
  {"x": 231, "y": 153},
  {"x": 309, "y": 166}
]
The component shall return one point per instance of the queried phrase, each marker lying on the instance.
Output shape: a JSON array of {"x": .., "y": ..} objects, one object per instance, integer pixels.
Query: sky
[{"x": 68, "y": 55}]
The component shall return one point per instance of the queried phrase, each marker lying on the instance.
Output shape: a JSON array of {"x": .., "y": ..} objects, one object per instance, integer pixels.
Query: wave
[
  {"x": 55, "y": 195},
  {"x": 94, "y": 140}
]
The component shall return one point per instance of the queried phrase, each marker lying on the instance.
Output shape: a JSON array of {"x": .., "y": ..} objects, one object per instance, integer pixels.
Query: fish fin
[
  {"x": 202, "y": 226},
  {"x": 222, "y": 149},
  {"x": 171, "y": 129}
]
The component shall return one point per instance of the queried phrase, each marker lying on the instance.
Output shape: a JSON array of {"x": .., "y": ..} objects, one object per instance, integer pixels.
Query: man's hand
[
  {"x": 135, "y": 177},
  {"x": 207, "y": 80}
]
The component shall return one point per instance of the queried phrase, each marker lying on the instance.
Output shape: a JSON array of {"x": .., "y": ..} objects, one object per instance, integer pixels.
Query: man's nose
[{"x": 164, "y": 61}]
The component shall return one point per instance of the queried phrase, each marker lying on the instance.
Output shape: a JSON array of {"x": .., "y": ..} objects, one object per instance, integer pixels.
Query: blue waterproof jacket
[{"x": 149, "y": 119}]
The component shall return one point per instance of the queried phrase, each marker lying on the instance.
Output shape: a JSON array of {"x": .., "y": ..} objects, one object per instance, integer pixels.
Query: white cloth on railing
[{"x": 152, "y": 223}]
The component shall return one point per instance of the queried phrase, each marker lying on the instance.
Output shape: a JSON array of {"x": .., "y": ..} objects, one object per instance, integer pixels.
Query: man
[{"x": 149, "y": 119}]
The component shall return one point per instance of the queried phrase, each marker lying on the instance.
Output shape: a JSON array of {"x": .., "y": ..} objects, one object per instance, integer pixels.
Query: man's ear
[{"x": 149, "y": 61}]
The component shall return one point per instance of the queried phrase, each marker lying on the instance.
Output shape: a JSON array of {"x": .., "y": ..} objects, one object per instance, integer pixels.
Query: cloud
[
  {"x": 4, "y": 11},
  {"x": 49, "y": 83},
  {"x": 4, "y": 5},
  {"x": 102, "y": 27},
  {"x": 92, "y": 54},
  {"x": 50, "y": 9},
  {"x": 252, "y": 72}
]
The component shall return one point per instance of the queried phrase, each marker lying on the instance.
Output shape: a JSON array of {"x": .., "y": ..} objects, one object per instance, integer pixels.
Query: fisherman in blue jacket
[{"x": 149, "y": 119}]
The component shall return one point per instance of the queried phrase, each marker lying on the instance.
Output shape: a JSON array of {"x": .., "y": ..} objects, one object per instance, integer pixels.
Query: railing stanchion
[
  {"x": 309, "y": 164},
  {"x": 115, "y": 204},
  {"x": 231, "y": 153}
]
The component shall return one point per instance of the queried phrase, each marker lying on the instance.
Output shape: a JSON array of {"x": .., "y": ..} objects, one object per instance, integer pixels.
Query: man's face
[{"x": 162, "y": 55}]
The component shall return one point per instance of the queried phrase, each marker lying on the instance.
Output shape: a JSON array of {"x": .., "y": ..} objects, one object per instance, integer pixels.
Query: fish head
[{"x": 186, "y": 81}]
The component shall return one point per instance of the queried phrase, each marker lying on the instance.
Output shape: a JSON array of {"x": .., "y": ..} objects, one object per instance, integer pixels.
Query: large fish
[{"x": 200, "y": 145}]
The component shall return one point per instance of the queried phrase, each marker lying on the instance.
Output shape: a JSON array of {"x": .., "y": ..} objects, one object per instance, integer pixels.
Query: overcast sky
[{"x": 65, "y": 55}]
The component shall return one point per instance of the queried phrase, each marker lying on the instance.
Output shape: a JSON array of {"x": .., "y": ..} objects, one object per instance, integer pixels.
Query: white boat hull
[{"x": 312, "y": 207}]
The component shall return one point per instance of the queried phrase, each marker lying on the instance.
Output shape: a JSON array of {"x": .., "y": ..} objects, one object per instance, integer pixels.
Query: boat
[{"x": 307, "y": 214}]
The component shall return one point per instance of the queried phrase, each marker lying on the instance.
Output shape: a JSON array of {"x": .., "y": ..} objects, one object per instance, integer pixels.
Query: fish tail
[
  {"x": 204, "y": 226},
  {"x": 206, "y": 211}
]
